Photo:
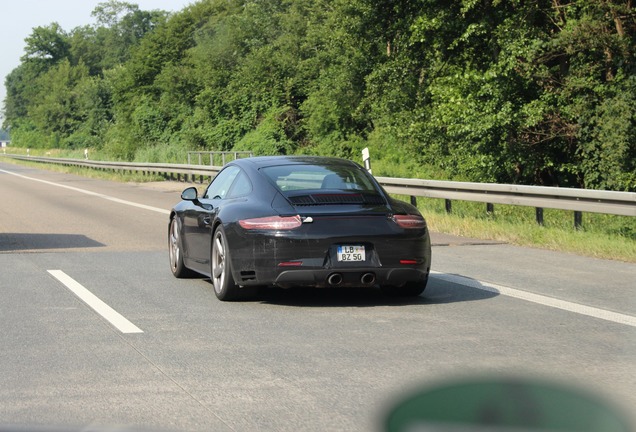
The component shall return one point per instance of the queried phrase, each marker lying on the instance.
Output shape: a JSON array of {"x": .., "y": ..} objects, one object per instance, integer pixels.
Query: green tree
[
  {"x": 49, "y": 44},
  {"x": 121, "y": 26},
  {"x": 45, "y": 47},
  {"x": 55, "y": 112},
  {"x": 581, "y": 65},
  {"x": 20, "y": 92},
  {"x": 484, "y": 90}
]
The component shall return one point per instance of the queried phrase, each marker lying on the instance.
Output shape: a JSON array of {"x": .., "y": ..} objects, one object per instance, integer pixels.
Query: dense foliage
[{"x": 540, "y": 92}]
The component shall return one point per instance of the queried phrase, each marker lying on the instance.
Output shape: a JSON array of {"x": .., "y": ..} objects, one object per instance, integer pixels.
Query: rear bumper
[
  {"x": 301, "y": 259},
  {"x": 358, "y": 277}
]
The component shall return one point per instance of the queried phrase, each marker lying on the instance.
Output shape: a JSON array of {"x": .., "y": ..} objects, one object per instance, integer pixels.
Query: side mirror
[
  {"x": 190, "y": 194},
  {"x": 504, "y": 404}
]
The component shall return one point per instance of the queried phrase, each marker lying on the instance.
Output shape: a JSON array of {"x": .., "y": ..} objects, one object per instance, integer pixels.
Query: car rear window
[{"x": 314, "y": 177}]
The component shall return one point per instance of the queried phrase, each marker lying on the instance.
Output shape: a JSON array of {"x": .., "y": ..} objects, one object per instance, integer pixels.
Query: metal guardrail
[
  {"x": 577, "y": 200},
  {"x": 169, "y": 171},
  {"x": 582, "y": 200},
  {"x": 214, "y": 156}
]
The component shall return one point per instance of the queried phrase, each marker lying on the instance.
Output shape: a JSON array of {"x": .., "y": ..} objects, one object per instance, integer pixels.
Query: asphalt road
[{"x": 164, "y": 354}]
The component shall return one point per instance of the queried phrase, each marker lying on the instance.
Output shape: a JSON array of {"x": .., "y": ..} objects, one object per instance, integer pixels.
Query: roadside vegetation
[
  {"x": 600, "y": 236},
  {"x": 540, "y": 92}
]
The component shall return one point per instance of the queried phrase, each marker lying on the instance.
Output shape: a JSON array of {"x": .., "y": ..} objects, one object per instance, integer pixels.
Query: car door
[{"x": 197, "y": 223}]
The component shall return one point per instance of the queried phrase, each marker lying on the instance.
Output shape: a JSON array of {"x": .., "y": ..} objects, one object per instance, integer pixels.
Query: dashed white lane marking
[
  {"x": 87, "y": 192},
  {"x": 108, "y": 313},
  {"x": 540, "y": 299}
]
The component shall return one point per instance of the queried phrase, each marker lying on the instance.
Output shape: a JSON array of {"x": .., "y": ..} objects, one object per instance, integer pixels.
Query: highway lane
[
  {"x": 38, "y": 215},
  {"x": 289, "y": 360}
]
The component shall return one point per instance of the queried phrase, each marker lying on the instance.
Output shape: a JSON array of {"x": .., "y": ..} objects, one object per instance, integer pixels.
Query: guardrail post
[
  {"x": 413, "y": 201},
  {"x": 366, "y": 159},
  {"x": 539, "y": 214},
  {"x": 449, "y": 206},
  {"x": 490, "y": 208},
  {"x": 578, "y": 220}
]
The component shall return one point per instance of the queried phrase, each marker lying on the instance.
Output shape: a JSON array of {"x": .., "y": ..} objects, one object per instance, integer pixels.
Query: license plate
[{"x": 351, "y": 253}]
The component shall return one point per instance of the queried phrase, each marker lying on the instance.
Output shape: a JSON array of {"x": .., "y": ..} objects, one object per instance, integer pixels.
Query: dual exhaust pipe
[{"x": 335, "y": 279}]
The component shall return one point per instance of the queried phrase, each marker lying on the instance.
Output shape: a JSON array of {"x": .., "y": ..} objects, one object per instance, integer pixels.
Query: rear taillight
[
  {"x": 276, "y": 223},
  {"x": 290, "y": 264},
  {"x": 410, "y": 221}
]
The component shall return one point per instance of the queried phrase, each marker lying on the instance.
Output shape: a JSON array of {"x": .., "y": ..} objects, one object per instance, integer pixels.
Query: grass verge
[{"x": 601, "y": 236}]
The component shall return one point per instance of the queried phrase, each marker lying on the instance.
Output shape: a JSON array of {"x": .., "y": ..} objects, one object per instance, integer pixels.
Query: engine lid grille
[{"x": 336, "y": 198}]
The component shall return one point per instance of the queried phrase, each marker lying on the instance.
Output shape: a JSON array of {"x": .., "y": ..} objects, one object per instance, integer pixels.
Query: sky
[{"x": 19, "y": 17}]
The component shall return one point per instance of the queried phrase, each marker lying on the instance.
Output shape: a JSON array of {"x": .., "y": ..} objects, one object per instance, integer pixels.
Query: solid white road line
[
  {"x": 540, "y": 299},
  {"x": 108, "y": 313},
  {"x": 87, "y": 192}
]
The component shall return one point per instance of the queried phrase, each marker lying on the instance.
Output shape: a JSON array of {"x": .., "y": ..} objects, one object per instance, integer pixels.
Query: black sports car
[{"x": 293, "y": 221}]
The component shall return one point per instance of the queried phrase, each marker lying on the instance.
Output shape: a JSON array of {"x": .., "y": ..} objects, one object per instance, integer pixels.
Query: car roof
[{"x": 265, "y": 161}]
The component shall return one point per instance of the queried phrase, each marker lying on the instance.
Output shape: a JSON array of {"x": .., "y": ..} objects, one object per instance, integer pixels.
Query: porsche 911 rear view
[{"x": 298, "y": 222}]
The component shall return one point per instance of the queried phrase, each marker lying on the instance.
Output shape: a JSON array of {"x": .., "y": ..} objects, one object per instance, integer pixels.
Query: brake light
[
  {"x": 271, "y": 223},
  {"x": 410, "y": 221},
  {"x": 290, "y": 264}
]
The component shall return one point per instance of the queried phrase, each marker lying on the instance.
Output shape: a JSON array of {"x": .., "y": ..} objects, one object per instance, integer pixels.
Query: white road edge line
[
  {"x": 590, "y": 311},
  {"x": 87, "y": 192},
  {"x": 108, "y": 313}
]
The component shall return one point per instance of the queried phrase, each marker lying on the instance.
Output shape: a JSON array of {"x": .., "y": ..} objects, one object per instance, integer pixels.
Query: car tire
[
  {"x": 410, "y": 289},
  {"x": 221, "y": 268},
  {"x": 175, "y": 250}
]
